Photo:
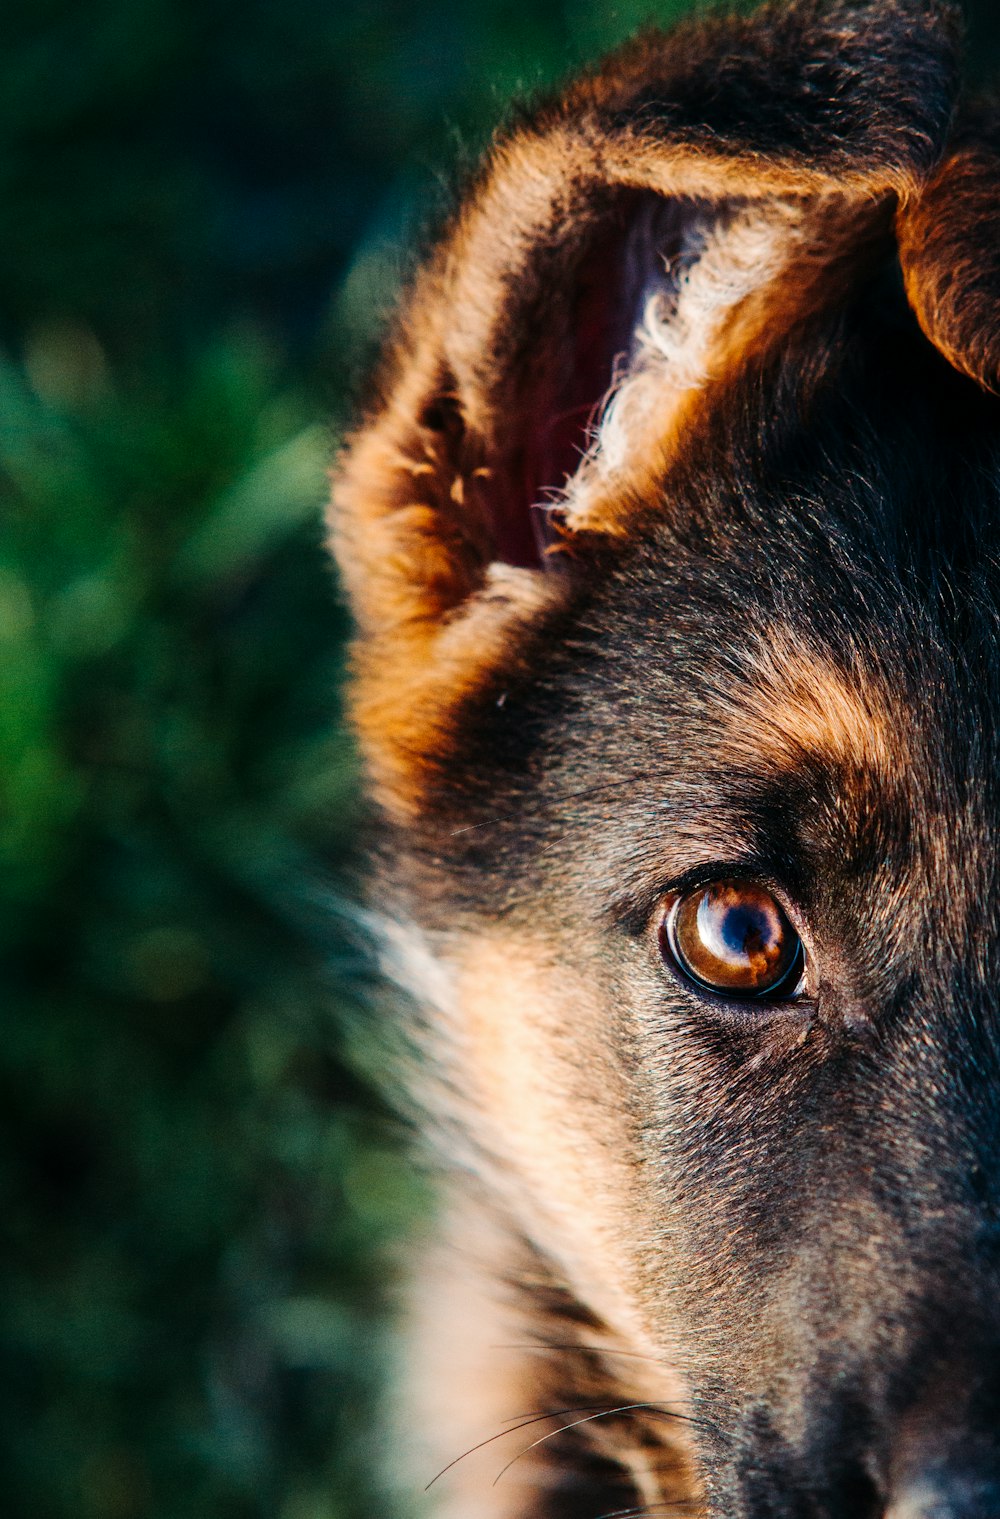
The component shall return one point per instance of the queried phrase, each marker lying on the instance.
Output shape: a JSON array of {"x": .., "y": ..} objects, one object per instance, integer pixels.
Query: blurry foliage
[
  {"x": 204, "y": 209},
  {"x": 195, "y": 1190}
]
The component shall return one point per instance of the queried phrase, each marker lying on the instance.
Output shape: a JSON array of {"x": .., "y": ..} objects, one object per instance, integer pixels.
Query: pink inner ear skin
[
  {"x": 561, "y": 402},
  {"x": 575, "y": 349}
]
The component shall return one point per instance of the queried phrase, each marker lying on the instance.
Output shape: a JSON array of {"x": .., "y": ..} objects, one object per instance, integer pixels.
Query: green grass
[{"x": 198, "y": 1189}]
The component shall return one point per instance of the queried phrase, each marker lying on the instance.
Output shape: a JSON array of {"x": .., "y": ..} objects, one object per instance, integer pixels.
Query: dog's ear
[
  {"x": 676, "y": 211},
  {"x": 949, "y": 249}
]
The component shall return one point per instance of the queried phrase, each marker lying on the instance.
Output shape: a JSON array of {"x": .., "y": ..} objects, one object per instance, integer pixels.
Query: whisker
[
  {"x": 556, "y": 1347},
  {"x": 524, "y": 1423},
  {"x": 677, "y": 1504},
  {"x": 605, "y": 1413}
]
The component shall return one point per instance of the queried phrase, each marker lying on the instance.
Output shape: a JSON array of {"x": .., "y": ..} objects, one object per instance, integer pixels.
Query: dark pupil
[
  {"x": 734, "y": 936},
  {"x": 743, "y": 931}
]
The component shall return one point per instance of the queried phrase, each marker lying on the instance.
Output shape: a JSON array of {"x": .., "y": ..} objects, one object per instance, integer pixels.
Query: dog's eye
[{"x": 733, "y": 938}]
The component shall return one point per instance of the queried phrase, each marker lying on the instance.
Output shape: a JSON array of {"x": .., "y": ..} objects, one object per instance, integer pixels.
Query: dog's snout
[{"x": 949, "y": 1496}]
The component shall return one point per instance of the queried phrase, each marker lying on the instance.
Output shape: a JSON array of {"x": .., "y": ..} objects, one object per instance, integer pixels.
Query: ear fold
[
  {"x": 678, "y": 209},
  {"x": 949, "y": 250}
]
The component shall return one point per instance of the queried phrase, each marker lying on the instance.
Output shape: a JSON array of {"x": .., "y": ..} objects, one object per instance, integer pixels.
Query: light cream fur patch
[{"x": 681, "y": 338}]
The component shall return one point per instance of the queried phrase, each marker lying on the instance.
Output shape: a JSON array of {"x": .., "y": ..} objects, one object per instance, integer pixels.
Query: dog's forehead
[
  {"x": 825, "y": 586},
  {"x": 819, "y": 687}
]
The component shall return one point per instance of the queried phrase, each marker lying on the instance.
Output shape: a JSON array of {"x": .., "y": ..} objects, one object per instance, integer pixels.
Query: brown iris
[{"x": 733, "y": 938}]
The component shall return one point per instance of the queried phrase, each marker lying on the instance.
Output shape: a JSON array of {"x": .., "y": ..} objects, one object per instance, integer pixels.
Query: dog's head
[{"x": 672, "y": 544}]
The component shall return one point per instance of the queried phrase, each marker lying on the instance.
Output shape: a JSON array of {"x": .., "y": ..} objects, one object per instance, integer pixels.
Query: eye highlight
[{"x": 733, "y": 938}]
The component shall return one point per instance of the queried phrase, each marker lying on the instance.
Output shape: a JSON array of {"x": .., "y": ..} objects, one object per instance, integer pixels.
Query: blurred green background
[{"x": 206, "y": 211}]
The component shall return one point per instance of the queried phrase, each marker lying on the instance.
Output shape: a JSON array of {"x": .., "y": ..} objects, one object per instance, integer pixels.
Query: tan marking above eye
[{"x": 734, "y": 938}]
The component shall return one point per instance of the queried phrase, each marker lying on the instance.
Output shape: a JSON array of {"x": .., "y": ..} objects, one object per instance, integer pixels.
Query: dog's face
[{"x": 691, "y": 787}]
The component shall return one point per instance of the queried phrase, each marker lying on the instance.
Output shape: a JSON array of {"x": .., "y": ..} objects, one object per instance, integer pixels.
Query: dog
[{"x": 670, "y": 533}]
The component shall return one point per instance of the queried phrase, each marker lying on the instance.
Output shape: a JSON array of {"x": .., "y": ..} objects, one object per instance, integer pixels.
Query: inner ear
[
  {"x": 629, "y": 311},
  {"x": 570, "y": 370}
]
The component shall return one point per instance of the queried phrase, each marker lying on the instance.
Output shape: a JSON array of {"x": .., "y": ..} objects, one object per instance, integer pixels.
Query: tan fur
[
  {"x": 949, "y": 249},
  {"x": 795, "y": 705},
  {"x": 485, "y": 1451},
  {"x": 532, "y": 1054},
  {"x": 466, "y": 1331},
  {"x": 521, "y": 1038},
  {"x": 409, "y": 681}
]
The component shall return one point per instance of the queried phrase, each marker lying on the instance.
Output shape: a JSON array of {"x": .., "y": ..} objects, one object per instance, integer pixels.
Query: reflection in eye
[{"x": 733, "y": 938}]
